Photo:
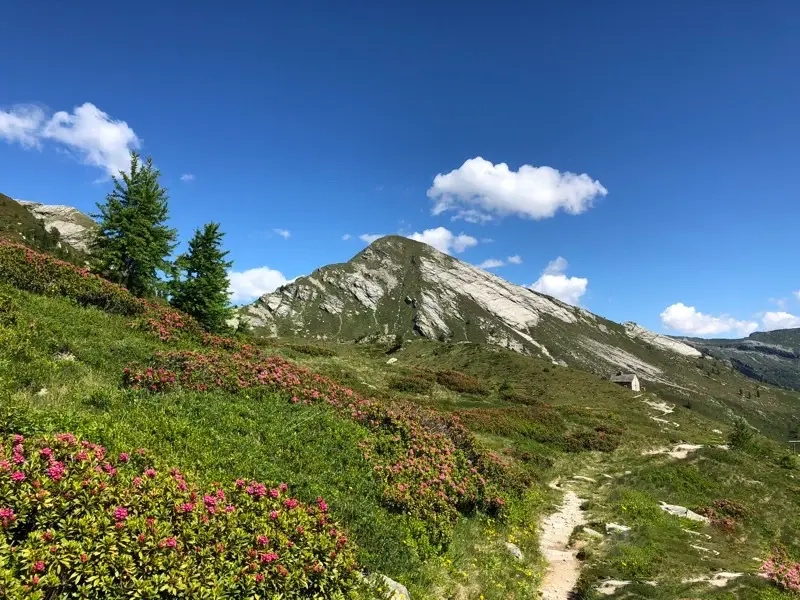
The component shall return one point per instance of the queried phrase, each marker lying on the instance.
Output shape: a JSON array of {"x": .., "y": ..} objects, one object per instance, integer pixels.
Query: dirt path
[{"x": 563, "y": 567}]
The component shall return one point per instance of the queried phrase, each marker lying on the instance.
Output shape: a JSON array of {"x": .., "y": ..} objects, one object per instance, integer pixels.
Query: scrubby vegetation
[
  {"x": 76, "y": 521},
  {"x": 430, "y": 464}
]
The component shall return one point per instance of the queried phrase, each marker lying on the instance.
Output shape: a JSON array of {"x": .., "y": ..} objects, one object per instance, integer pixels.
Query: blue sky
[{"x": 639, "y": 159}]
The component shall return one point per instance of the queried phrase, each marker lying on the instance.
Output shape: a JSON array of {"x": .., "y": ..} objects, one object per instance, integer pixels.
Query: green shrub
[
  {"x": 311, "y": 350},
  {"x": 412, "y": 384},
  {"x": 462, "y": 383},
  {"x": 75, "y": 522},
  {"x": 741, "y": 436}
]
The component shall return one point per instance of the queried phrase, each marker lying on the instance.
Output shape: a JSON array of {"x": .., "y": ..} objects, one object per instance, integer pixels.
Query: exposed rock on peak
[
  {"x": 397, "y": 286},
  {"x": 74, "y": 227}
]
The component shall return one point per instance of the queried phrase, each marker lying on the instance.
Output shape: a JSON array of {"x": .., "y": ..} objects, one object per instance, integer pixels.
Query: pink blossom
[
  {"x": 56, "y": 471},
  {"x": 186, "y": 507},
  {"x": 273, "y": 514},
  {"x": 120, "y": 513},
  {"x": 323, "y": 506},
  {"x": 170, "y": 542},
  {"x": 268, "y": 557},
  {"x": 262, "y": 540},
  {"x": 290, "y": 503},
  {"x": 230, "y": 508},
  {"x": 39, "y": 566},
  {"x": 151, "y": 473},
  {"x": 45, "y": 452},
  {"x": 124, "y": 457},
  {"x": 18, "y": 476}
]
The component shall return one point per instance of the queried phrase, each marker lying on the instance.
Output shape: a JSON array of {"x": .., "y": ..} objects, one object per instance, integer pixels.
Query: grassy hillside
[{"x": 431, "y": 458}]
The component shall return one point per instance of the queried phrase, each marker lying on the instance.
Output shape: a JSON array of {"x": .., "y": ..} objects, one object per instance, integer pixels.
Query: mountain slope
[
  {"x": 399, "y": 287},
  {"x": 769, "y": 356},
  {"x": 18, "y": 223}
]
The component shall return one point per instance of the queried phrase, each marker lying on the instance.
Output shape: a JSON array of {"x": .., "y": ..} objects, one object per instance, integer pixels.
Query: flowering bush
[
  {"x": 430, "y": 466},
  {"x": 725, "y": 514},
  {"x": 782, "y": 570},
  {"x": 76, "y": 522},
  {"x": 43, "y": 274}
]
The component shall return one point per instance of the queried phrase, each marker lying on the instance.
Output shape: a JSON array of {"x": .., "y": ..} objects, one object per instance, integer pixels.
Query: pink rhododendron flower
[
  {"x": 120, "y": 513},
  {"x": 18, "y": 476}
]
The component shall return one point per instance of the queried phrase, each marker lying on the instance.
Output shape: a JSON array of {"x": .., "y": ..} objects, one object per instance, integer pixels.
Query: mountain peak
[{"x": 400, "y": 287}]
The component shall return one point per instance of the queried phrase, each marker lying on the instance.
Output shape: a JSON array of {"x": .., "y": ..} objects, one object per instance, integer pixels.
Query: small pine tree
[
  {"x": 200, "y": 286},
  {"x": 133, "y": 241},
  {"x": 741, "y": 436}
]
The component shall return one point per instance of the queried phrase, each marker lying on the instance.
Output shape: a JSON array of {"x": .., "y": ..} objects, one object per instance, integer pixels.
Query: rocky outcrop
[{"x": 74, "y": 227}]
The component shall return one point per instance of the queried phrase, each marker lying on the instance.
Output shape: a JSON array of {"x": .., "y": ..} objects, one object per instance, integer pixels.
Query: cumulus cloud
[
  {"x": 370, "y": 237},
  {"x": 554, "y": 282},
  {"x": 491, "y": 263},
  {"x": 479, "y": 191},
  {"x": 346, "y": 236},
  {"x": 246, "y": 286},
  {"x": 689, "y": 320},
  {"x": 444, "y": 240},
  {"x": 284, "y": 233},
  {"x": 87, "y": 133},
  {"x": 20, "y": 124},
  {"x": 779, "y": 320},
  {"x": 187, "y": 177}
]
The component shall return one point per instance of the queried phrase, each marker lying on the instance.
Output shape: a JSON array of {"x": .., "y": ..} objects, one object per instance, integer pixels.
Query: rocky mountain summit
[
  {"x": 400, "y": 288},
  {"x": 74, "y": 227}
]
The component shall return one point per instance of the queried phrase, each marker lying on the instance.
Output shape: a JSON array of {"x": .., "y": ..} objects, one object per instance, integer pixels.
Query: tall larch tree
[
  {"x": 133, "y": 241},
  {"x": 201, "y": 284}
]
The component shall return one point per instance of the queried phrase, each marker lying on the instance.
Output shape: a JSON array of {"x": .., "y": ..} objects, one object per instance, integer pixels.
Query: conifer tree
[
  {"x": 133, "y": 240},
  {"x": 201, "y": 284}
]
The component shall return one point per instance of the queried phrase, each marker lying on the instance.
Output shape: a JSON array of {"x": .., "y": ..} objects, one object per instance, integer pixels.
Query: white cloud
[
  {"x": 797, "y": 294},
  {"x": 479, "y": 190},
  {"x": 284, "y": 233},
  {"x": 370, "y": 237},
  {"x": 246, "y": 286},
  {"x": 491, "y": 263},
  {"x": 346, "y": 236},
  {"x": 20, "y": 124},
  {"x": 779, "y": 320},
  {"x": 515, "y": 260},
  {"x": 445, "y": 240},
  {"x": 187, "y": 177},
  {"x": 554, "y": 283},
  {"x": 688, "y": 320},
  {"x": 87, "y": 133}
]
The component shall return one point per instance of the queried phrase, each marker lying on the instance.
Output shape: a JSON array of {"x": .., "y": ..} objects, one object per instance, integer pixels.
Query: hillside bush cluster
[
  {"x": 39, "y": 273},
  {"x": 725, "y": 514},
  {"x": 462, "y": 383},
  {"x": 430, "y": 467},
  {"x": 547, "y": 425},
  {"x": 781, "y": 570},
  {"x": 77, "y": 522},
  {"x": 43, "y": 274},
  {"x": 411, "y": 384}
]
